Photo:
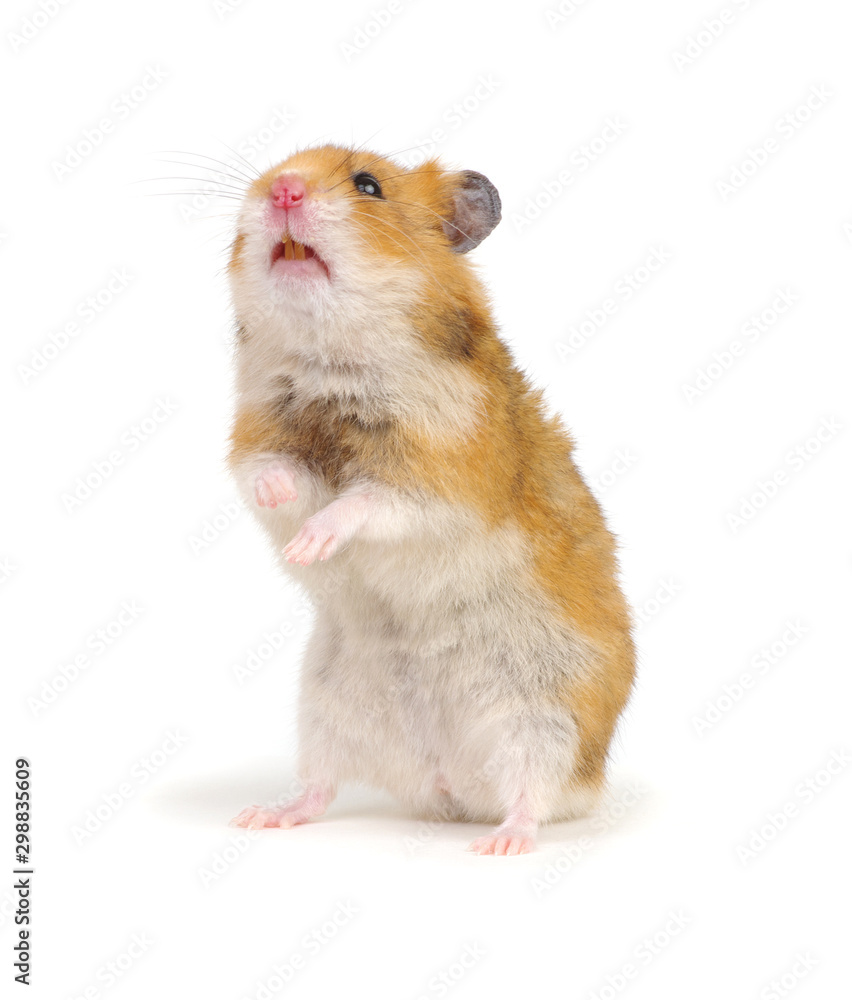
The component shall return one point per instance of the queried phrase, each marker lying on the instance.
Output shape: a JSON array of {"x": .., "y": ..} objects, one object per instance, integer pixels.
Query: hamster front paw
[
  {"x": 316, "y": 539},
  {"x": 324, "y": 533},
  {"x": 275, "y": 484}
]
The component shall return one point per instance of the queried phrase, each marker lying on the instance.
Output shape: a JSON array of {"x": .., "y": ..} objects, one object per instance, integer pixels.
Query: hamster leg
[
  {"x": 312, "y": 802},
  {"x": 275, "y": 484},
  {"x": 515, "y": 835},
  {"x": 330, "y": 528}
]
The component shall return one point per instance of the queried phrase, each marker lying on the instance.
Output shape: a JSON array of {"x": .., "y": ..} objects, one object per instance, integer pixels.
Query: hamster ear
[{"x": 476, "y": 211}]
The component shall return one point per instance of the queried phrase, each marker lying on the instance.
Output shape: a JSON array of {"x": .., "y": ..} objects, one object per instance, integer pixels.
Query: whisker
[
  {"x": 341, "y": 163},
  {"x": 402, "y": 232},
  {"x": 380, "y": 157},
  {"x": 416, "y": 204},
  {"x": 203, "y": 156},
  {"x": 407, "y": 173},
  {"x": 404, "y": 249},
  {"x": 370, "y": 242},
  {"x": 252, "y": 168},
  {"x": 351, "y": 151},
  {"x": 396, "y": 152},
  {"x": 438, "y": 283},
  {"x": 180, "y": 194},
  {"x": 362, "y": 146},
  {"x": 389, "y": 177},
  {"x": 238, "y": 178},
  {"x": 202, "y": 180}
]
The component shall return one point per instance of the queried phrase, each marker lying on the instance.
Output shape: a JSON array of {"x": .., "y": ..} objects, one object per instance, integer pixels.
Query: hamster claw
[
  {"x": 314, "y": 541},
  {"x": 274, "y": 485},
  {"x": 503, "y": 845},
  {"x": 241, "y": 819},
  {"x": 258, "y": 818},
  {"x": 299, "y": 810}
]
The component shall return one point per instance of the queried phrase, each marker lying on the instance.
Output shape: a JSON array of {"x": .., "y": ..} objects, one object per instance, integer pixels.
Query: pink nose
[{"x": 287, "y": 191}]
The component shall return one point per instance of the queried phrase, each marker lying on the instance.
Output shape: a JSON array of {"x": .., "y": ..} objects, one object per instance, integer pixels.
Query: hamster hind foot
[
  {"x": 312, "y": 803},
  {"x": 516, "y": 835}
]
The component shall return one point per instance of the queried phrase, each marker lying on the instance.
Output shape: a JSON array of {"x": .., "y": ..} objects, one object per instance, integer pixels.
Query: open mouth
[{"x": 291, "y": 257}]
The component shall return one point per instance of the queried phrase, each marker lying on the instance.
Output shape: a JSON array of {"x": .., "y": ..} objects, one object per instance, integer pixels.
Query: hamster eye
[{"x": 367, "y": 184}]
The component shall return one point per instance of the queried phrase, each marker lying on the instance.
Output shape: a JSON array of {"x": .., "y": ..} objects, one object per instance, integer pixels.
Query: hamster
[{"x": 472, "y": 648}]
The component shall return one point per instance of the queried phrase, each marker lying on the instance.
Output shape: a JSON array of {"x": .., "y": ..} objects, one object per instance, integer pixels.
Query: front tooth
[
  {"x": 300, "y": 251},
  {"x": 288, "y": 249}
]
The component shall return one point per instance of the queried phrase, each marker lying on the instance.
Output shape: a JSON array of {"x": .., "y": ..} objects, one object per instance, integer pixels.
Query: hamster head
[{"x": 335, "y": 233}]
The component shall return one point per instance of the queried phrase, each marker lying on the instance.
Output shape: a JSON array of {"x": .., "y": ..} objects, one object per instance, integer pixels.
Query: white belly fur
[{"x": 432, "y": 667}]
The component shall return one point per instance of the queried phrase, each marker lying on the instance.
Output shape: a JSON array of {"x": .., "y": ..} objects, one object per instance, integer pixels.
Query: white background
[{"x": 689, "y": 848}]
